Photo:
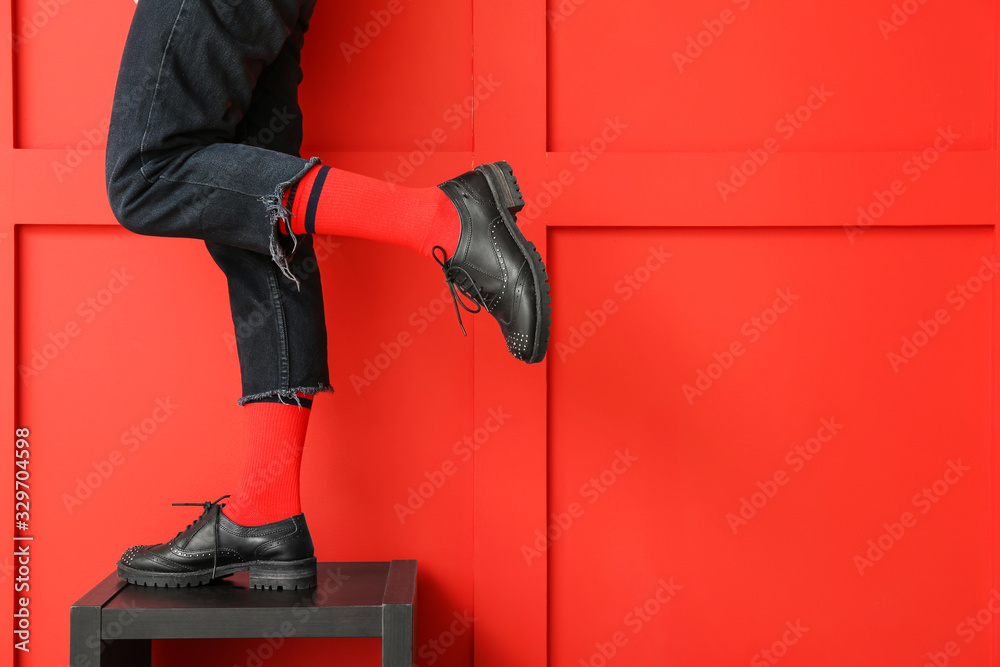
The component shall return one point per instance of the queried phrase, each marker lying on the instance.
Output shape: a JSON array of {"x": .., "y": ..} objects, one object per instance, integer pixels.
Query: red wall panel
[
  {"x": 729, "y": 429},
  {"x": 646, "y": 483},
  {"x": 357, "y": 94},
  {"x": 135, "y": 408},
  {"x": 607, "y": 489},
  {"x": 708, "y": 75}
]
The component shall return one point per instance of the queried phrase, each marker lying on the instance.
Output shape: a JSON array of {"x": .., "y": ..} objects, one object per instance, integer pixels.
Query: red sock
[
  {"x": 268, "y": 489},
  {"x": 333, "y": 201}
]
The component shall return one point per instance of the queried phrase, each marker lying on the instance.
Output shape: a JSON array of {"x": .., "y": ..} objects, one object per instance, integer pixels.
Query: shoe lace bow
[
  {"x": 208, "y": 505},
  {"x": 459, "y": 280}
]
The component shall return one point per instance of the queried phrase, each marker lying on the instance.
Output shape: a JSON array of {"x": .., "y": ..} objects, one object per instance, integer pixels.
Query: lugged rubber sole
[
  {"x": 285, "y": 575},
  {"x": 506, "y": 191}
]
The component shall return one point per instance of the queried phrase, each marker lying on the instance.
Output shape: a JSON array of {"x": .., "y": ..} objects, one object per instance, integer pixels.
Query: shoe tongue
[
  {"x": 199, "y": 535},
  {"x": 468, "y": 291}
]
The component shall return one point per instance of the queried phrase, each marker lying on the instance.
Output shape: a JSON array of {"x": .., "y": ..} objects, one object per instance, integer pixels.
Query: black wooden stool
[{"x": 114, "y": 624}]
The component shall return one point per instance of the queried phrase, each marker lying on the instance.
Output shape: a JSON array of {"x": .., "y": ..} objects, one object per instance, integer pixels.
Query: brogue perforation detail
[
  {"x": 503, "y": 264},
  {"x": 487, "y": 200},
  {"x": 221, "y": 551},
  {"x": 278, "y": 555}
]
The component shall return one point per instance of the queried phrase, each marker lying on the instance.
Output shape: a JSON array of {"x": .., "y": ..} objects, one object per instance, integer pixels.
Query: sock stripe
[
  {"x": 333, "y": 201},
  {"x": 317, "y": 188}
]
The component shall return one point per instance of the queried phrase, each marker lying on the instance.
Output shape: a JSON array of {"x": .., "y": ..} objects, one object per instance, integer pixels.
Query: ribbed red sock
[
  {"x": 268, "y": 488},
  {"x": 333, "y": 201}
]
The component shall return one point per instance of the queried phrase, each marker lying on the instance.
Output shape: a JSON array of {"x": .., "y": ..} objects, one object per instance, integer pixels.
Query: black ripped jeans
[{"x": 204, "y": 141}]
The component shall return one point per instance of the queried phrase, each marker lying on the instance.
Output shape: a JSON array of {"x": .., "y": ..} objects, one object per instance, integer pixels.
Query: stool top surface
[{"x": 346, "y": 584}]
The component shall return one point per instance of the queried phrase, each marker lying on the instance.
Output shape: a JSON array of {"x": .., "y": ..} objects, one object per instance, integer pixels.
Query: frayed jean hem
[
  {"x": 286, "y": 393},
  {"x": 279, "y": 214}
]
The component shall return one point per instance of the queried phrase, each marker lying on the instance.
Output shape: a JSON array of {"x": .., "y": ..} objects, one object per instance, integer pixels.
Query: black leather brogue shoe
[
  {"x": 494, "y": 266},
  {"x": 277, "y": 555}
]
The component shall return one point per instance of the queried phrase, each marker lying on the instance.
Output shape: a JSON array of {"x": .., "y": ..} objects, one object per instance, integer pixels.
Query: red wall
[{"x": 765, "y": 431}]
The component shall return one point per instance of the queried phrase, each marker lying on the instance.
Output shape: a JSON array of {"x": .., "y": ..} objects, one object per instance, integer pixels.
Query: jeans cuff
[
  {"x": 286, "y": 393},
  {"x": 279, "y": 214}
]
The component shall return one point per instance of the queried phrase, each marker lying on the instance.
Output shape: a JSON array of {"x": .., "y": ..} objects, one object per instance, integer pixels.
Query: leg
[
  {"x": 127, "y": 653},
  {"x": 86, "y": 646},
  {"x": 467, "y": 224},
  {"x": 205, "y": 126},
  {"x": 85, "y": 631},
  {"x": 399, "y": 614},
  {"x": 187, "y": 77},
  {"x": 278, "y": 316},
  {"x": 280, "y": 330},
  {"x": 397, "y": 635},
  {"x": 188, "y": 74}
]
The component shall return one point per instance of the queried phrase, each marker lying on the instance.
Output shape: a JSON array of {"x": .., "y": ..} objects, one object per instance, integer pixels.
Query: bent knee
[
  {"x": 139, "y": 205},
  {"x": 126, "y": 188}
]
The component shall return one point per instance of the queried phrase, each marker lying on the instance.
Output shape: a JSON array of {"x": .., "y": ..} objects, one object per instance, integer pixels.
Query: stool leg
[
  {"x": 128, "y": 653},
  {"x": 85, "y": 636},
  {"x": 397, "y": 635}
]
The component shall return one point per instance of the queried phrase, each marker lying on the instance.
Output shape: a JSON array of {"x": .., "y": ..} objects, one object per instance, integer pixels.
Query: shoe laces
[
  {"x": 459, "y": 280},
  {"x": 208, "y": 505}
]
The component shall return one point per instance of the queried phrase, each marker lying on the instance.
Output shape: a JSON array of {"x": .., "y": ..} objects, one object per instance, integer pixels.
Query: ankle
[
  {"x": 247, "y": 514},
  {"x": 446, "y": 227}
]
